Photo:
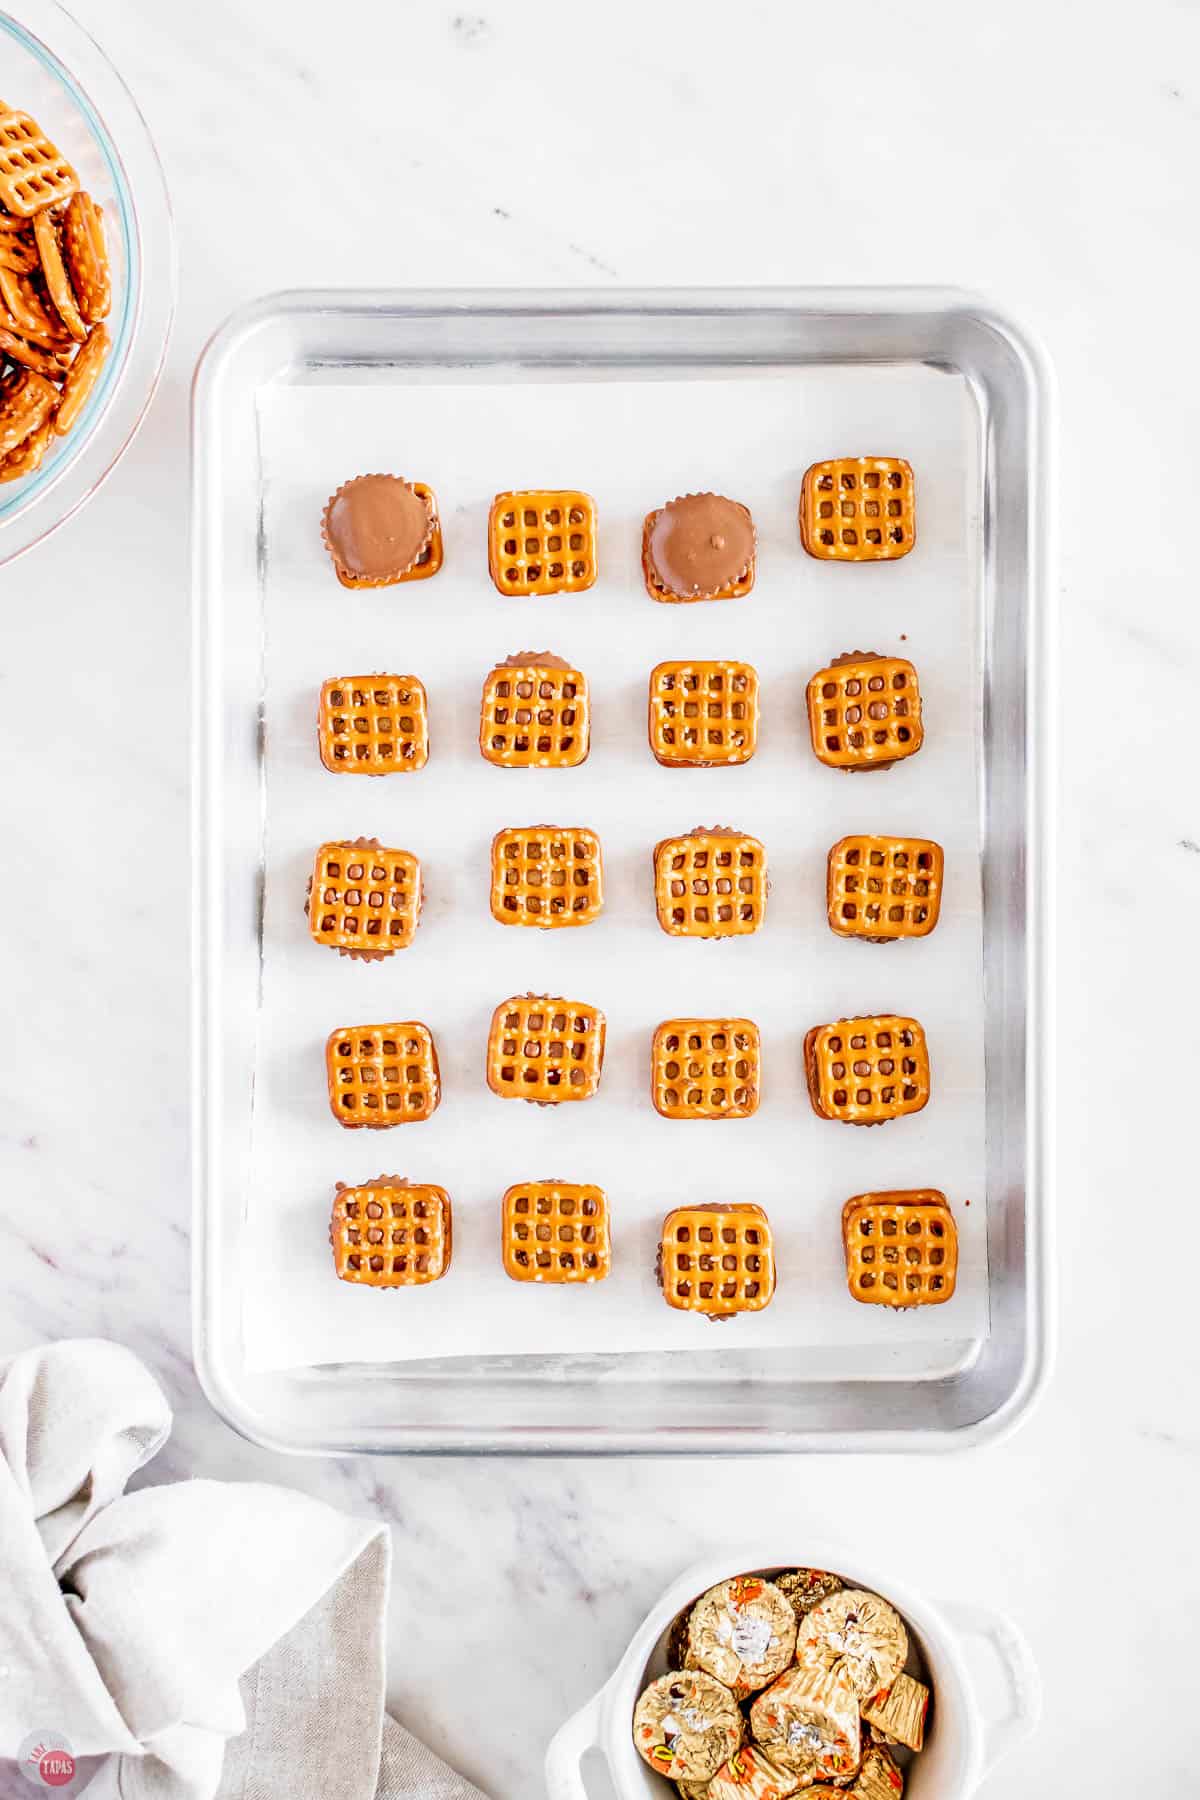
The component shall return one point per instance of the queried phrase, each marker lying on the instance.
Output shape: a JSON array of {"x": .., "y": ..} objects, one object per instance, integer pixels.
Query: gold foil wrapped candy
[
  {"x": 749, "y": 1775},
  {"x": 806, "y": 1588},
  {"x": 743, "y": 1632},
  {"x": 879, "y": 1778},
  {"x": 899, "y": 1711},
  {"x": 857, "y": 1636},
  {"x": 807, "y": 1722},
  {"x": 686, "y": 1725}
]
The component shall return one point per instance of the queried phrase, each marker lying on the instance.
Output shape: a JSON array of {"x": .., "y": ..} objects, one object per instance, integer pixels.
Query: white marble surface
[{"x": 1046, "y": 155}]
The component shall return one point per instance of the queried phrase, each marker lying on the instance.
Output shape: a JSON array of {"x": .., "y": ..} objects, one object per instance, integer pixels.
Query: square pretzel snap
[
  {"x": 535, "y": 714},
  {"x": 546, "y": 876},
  {"x": 717, "y": 1259},
  {"x": 555, "y": 1231},
  {"x": 710, "y": 883},
  {"x": 382, "y": 1075},
  {"x": 542, "y": 541},
  {"x": 864, "y": 711},
  {"x": 33, "y": 173},
  {"x": 373, "y": 724},
  {"x": 703, "y": 715},
  {"x": 858, "y": 509},
  {"x": 867, "y": 1071},
  {"x": 706, "y": 1068},
  {"x": 882, "y": 889},
  {"x": 364, "y": 900},
  {"x": 545, "y": 1049},
  {"x": 391, "y": 1233},
  {"x": 901, "y": 1247}
]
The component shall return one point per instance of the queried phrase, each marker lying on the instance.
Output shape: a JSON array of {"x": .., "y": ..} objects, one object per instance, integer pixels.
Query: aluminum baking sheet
[{"x": 474, "y": 413}]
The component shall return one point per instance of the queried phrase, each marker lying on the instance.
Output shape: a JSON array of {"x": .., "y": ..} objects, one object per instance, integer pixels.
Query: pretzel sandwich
[
  {"x": 867, "y": 1071},
  {"x": 706, "y": 1068},
  {"x": 382, "y": 1075},
  {"x": 703, "y": 715},
  {"x": 717, "y": 1259},
  {"x": 546, "y": 876},
  {"x": 710, "y": 883},
  {"x": 901, "y": 1248},
  {"x": 391, "y": 1233},
  {"x": 864, "y": 712},
  {"x": 882, "y": 889},
  {"x": 545, "y": 1049},
  {"x": 535, "y": 713},
  {"x": 364, "y": 900},
  {"x": 555, "y": 1232}
]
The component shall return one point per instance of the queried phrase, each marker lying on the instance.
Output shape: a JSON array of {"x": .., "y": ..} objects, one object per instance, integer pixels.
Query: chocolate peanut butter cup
[
  {"x": 380, "y": 529},
  {"x": 698, "y": 547}
]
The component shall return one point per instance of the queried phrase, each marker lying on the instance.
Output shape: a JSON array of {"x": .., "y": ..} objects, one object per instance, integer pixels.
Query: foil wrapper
[
  {"x": 692, "y": 1790},
  {"x": 743, "y": 1632},
  {"x": 899, "y": 1712},
  {"x": 750, "y": 1775},
  {"x": 807, "y": 1723},
  {"x": 879, "y": 1778},
  {"x": 686, "y": 1725},
  {"x": 806, "y": 1588},
  {"x": 856, "y": 1636}
]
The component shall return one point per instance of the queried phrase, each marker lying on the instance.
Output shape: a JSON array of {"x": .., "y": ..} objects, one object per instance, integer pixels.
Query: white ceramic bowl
[
  {"x": 55, "y": 71},
  {"x": 962, "y": 1746}
]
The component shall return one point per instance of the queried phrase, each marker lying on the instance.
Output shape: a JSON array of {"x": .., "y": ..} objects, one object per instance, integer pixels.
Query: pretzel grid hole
[
  {"x": 404, "y": 1243},
  {"x": 896, "y": 1265}
]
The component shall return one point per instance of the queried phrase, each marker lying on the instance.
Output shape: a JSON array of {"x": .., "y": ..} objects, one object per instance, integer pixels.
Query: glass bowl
[{"x": 55, "y": 71}]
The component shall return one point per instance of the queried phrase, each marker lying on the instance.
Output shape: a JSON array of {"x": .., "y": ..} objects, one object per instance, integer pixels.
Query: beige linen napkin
[{"x": 217, "y": 1641}]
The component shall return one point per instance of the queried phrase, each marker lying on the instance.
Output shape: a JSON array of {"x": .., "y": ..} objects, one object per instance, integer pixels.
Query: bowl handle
[
  {"x": 1024, "y": 1682},
  {"x": 568, "y": 1747}
]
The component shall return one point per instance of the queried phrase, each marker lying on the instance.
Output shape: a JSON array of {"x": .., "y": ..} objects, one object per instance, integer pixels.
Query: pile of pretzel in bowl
[{"x": 55, "y": 292}]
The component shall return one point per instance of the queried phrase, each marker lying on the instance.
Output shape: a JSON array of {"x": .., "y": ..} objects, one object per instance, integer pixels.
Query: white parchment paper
[{"x": 632, "y": 444}]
